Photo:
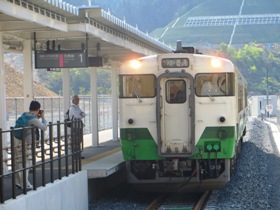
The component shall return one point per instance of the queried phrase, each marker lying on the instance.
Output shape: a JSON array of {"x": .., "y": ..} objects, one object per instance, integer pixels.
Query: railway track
[{"x": 192, "y": 201}]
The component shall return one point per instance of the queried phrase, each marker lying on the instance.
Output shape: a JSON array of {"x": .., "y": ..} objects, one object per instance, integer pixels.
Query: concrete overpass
[{"x": 31, "y": 24}]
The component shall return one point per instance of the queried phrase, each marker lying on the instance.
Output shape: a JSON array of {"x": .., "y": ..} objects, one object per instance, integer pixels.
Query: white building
[{"x": 258, "y": 104}]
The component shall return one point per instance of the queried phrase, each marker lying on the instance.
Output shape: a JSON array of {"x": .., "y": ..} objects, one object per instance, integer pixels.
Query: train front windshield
[
  {"x": 137, "y": 86},
  {"x": 214, "y": 84}
]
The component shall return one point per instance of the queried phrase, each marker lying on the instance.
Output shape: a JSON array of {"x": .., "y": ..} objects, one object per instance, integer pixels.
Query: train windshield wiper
[
  {"x": 210, "y": 96},
  {"x": 136, "y": 91}
]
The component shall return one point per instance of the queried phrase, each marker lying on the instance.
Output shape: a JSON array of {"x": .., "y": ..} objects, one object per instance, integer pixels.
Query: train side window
[
  {"x": 137, "y": 86},
  {"x": 175, "y": 91},
  {"x": 214, "y": 84}
]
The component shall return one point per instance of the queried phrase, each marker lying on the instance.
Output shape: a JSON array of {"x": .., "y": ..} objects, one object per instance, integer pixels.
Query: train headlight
[
  {"x": 222, "y": 119},
  {"x": 216, "y": 63},
  {"x": 216, "y": 147},
  {"x": 130, "y": 121},
  {"x": 209, "y": 147},
  {"x": 135, "y": 64}
]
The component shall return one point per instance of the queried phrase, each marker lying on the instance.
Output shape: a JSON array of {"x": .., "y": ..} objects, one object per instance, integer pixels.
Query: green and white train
[{"x": 182, "y": 119}]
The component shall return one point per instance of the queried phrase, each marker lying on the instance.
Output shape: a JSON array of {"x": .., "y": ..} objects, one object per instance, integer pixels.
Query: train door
[{"x": 175, "y": 116}]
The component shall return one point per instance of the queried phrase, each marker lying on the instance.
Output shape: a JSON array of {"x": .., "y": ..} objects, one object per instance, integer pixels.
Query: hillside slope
[
  {"x": 14, "y": 84},
  {"x": 207, "y": 36},
  {"x": 157, "y": 13}
]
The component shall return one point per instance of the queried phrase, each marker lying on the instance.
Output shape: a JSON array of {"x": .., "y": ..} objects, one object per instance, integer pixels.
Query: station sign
[
  {"x": 269, "y": 108},
  {"x": 61, "y": 59}
]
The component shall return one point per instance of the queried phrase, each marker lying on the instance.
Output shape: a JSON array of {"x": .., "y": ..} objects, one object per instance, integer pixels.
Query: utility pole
[
  {"x": 267, "y": 99},
  {"x": 266, "y": 70}
]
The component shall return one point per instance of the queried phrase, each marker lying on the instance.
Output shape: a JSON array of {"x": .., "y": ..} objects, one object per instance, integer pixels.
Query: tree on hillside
[
  {"x": 80, "y": 81},
  {"x": 255, "y": 63}
]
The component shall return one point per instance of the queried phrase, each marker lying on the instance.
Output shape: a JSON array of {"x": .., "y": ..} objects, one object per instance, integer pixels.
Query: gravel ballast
[{"x": 255, "y": 184}]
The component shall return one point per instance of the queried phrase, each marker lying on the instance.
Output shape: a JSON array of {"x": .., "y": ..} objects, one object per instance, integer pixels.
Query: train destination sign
[
  {"x": 175, "y": 63},
  {"x": 61, "y": 59}
]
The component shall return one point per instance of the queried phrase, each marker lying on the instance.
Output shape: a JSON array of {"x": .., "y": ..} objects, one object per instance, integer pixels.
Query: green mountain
[
  {"x": 169, "y": 21},
  {"x": 234, "y": 22}
]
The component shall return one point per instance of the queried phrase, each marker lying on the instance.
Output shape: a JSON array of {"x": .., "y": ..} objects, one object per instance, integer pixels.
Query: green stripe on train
[
  {"x": 214, "y": 141},
  {"x": 138, "y": 144}
]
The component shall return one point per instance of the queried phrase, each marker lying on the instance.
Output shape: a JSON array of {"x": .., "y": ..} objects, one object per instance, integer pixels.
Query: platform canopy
[{"x": 67, "y": 27}]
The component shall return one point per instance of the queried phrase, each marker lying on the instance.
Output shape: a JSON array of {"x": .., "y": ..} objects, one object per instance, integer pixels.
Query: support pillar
[
  {"x": 94, "y": 106},
  {"x": 114, "y": 76},
  {"x": 66, "y": 89},
  {"x": 28, "y": 90},
  {"x": 3, "y": 110}
]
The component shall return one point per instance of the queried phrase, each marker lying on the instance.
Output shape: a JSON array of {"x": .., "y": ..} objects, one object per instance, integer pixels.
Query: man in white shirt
[{"x": 75, "y": 113}]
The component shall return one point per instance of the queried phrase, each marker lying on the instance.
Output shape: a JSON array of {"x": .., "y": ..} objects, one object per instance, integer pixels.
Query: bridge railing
[
  {"x": 53, "y": 107},
  {"x": 49, "y": 159}
]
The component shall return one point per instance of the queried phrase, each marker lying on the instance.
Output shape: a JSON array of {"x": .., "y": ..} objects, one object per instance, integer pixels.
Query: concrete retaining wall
[{"x": 69, "y": 193}]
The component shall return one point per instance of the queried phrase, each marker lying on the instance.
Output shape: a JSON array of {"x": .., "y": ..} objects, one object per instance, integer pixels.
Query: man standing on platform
[
  {"x": 75, "y": 114},
  {"x": 33, "y": 117}
]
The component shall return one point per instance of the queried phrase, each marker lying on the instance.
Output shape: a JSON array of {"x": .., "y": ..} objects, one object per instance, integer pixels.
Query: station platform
[
  {"x": 104, "y": 160},
  {"x": 105, "y": 144},
  {"x": 275, "y": 129},
  {"x": 104, "y": 164}
]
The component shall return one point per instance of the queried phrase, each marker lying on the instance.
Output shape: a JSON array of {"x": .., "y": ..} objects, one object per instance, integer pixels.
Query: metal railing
[
  {"x": 122, "y": 23},
  {"x": 49, "y": 159},
  {"x": 48, "y": 13}
]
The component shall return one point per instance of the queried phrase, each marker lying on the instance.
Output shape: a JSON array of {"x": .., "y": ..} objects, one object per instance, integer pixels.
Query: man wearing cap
[{"x": 34, "y": 115}]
